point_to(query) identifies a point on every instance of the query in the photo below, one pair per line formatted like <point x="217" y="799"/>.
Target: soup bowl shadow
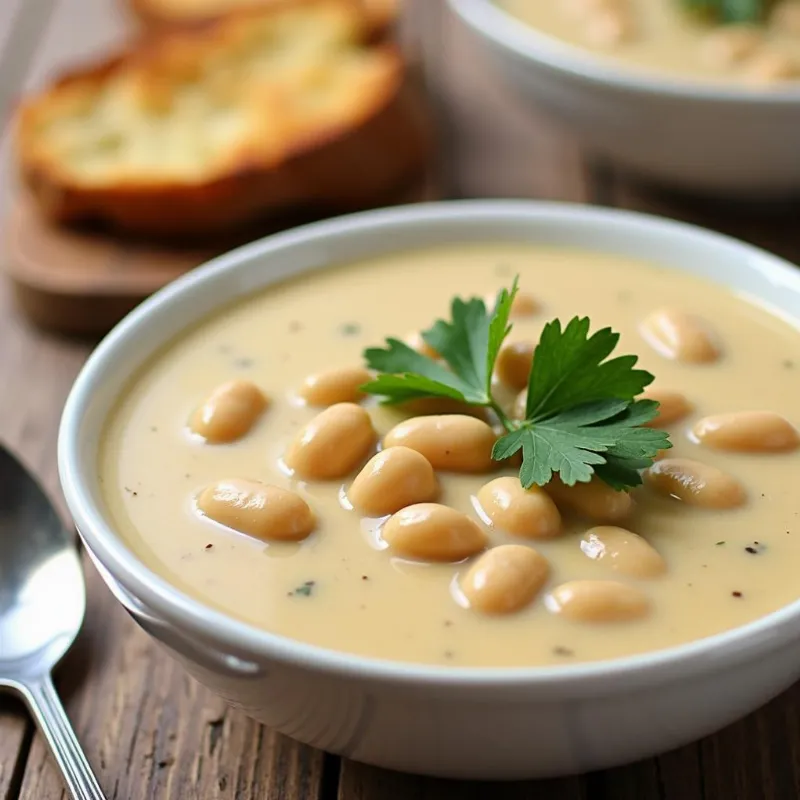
<point x="715" y="140"/>
<point x="444" y="721"/>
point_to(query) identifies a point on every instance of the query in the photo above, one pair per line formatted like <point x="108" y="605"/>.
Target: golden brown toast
<point x="204" y="130"/>
<point x="381" y="14"/>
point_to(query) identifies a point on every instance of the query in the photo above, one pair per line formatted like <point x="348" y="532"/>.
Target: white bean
<point x="432" y="532"/>
<point x="505" y="579"/>
<point x="623" y="551"/>
<point x="521" y="512"/>
<point x="695" y="483"/>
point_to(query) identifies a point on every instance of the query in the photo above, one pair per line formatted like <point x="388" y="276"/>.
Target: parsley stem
<point x="507" y="423"/>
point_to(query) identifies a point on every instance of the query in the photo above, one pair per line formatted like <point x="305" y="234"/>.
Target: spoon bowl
<point x="42" y="604"/>
<point x="42" y="595"/>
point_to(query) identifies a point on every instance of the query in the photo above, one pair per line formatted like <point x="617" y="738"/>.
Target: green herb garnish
<point x="729" y="11"/>
<point x="581" y="419"/>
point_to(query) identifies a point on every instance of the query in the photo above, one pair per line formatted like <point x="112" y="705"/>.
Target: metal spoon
<point x="42" y="603"/>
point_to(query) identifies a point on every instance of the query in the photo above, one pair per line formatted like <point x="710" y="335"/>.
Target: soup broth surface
<point x="340" y="588"/>
<point x="658" y="36"/>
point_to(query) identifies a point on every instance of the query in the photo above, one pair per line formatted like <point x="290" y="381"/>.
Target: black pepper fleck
<point x="563" y="651"/>
<point x="209" y="546"/>
<point x="365" y="577"/>
<point x="720" y="543"/>
<point x="736" y="594"/>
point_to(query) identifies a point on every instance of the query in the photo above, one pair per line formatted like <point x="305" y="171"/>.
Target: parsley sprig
<point x="581" y="419"/>
<point x="734" y="11"/>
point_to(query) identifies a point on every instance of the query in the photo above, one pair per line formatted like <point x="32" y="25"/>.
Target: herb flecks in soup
<point x="756" y="42"/>
<point x="391" y="531"/>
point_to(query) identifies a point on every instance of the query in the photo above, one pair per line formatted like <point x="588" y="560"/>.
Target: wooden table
<point x="149" y="730"/>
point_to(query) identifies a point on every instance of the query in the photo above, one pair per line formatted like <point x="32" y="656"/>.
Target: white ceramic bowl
<point x="708" y="138"/>
<point x="473" y="723"/>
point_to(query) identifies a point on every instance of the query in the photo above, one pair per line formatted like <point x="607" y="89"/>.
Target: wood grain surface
<point x="150" y="731"/>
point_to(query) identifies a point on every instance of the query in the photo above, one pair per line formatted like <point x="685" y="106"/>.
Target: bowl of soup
<point x="365" y="578"/>
<point x="699" y="106"/>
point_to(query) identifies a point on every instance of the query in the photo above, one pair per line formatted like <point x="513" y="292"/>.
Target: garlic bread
<point x="205" y="129"/>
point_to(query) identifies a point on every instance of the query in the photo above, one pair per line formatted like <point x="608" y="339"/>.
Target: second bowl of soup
<point x="699" y="106"/>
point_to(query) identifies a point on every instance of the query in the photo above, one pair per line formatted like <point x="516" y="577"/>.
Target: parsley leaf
<point x="405" y="374"/>
<point x="580" y="415"/>
<point x="468" y="343"/>
<point x="582" y="418"/>
<point x="569" y="369"/>
<point x="600" y="438"/>
<point x="554" y="446"/>
<point x="635" y="446"/>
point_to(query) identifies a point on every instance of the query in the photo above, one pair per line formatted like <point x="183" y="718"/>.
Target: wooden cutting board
<point x="83" y="283"/>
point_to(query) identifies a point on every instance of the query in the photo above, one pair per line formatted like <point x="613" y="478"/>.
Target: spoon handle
<point x="46" y="707"/>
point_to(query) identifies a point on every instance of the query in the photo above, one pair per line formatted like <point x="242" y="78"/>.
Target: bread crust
<point x="379" y="143"/>
<point x="382" y="15"/>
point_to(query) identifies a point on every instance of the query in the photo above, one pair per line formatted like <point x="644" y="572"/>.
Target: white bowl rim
<point x="730" y="647"/>
<point x="502" y="28"/>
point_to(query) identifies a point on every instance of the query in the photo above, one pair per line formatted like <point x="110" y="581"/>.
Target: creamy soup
<point x="658" y="35"/>
<point x="697" y="570"/>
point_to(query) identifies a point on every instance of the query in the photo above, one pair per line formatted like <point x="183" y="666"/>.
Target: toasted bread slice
<point x="380" y="14"/>
<point x="208" y="129"/>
